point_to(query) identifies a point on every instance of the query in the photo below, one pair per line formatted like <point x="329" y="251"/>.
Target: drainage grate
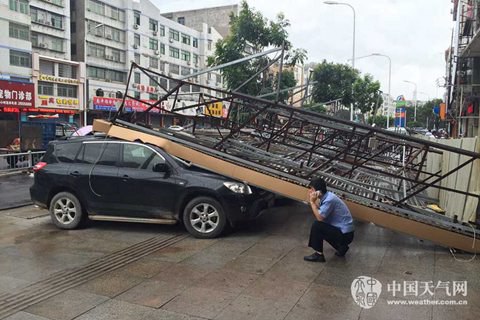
<point x="70" y="278"/>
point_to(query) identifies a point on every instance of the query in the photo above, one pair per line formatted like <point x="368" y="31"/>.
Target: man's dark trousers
<point x="323" y="231"/>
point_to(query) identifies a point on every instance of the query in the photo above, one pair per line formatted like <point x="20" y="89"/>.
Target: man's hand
<point x="312" y="196"/>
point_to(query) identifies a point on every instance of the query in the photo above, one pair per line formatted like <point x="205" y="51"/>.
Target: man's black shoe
<point x="315" y="257"/>
<point x="342" y="251"/>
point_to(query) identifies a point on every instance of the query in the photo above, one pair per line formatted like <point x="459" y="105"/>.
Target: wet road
<point x="134" y="271"/>
<point x="14" y="190"/>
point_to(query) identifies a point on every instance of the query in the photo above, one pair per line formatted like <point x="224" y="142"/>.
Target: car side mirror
<point x="160" y="167"/>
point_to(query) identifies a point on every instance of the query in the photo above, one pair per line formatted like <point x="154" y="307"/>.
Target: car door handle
<point x="75" y="173"/>
<point x="125" y="177"/>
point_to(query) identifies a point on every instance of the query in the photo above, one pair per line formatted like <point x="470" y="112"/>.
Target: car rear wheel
<point x="204" y="217"/>
<point x="66" y="211"/>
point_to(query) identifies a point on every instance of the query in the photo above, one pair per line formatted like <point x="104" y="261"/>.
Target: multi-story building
<point x="36" y="55"/>
<point x="108" y="35"/>
<point x="217" y="17"/>
<point x="463" y="70"/>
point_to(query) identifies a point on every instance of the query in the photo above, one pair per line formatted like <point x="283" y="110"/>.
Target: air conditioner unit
<point x="155" y="33"/>
<point x="88" y="9"/>
<point x="134" y="85"/>
<point x="135" y="26"/>
<point x="196" y="64"/>
<point x="108" y="80"/>
<point x="108" y="36"/>
<point x="171" y="40"/>
<point x="188" y="63"/>
<point x="135" y="46"/>
<point x="157" y="52"/>
<point x="43" y="45"/>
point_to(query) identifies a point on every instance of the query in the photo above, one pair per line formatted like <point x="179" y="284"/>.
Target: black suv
<point x="114" y="180"/>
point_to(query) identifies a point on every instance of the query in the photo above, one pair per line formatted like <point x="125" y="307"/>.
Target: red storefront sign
<point x="17" y="94"/>
<point x="102" y="103"/>
<point x="44" y="110"/>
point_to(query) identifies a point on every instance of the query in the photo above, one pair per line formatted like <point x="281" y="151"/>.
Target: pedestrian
<point x="333" y="222"/>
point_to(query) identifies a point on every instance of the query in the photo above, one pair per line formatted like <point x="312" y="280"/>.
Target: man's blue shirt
<point x="335" y="212"/>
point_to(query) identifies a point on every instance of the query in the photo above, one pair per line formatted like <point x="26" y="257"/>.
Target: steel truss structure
<point x="368" y="166"/>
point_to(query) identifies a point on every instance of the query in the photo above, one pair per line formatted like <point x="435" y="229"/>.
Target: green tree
<point x="379" y="121"/>
<point x="333" y="81"/>
<point x="315" y="107"/>
<point x="366" y="95"/>
<point x="425" y="116"/>
<point x="251" y="31"/>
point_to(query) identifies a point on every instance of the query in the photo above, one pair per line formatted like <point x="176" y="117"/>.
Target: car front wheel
<point x="204" y="217"/>
<point x="66" y="211"/>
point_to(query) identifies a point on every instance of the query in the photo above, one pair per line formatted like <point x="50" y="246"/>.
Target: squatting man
<point x="333" y="222"/>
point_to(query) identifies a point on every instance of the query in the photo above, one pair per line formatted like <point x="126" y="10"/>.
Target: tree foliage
<point x="333" y="81"/>
<point x="366" y="94"/>
<point x="251" y="32"/>
<point x="340" y="81"/>
<point x="425" y="116"/>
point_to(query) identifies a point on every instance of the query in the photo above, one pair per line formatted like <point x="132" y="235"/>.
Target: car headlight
<point x="238" y="187"/>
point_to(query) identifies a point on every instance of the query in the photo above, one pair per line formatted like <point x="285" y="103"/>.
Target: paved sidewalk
<point x="256" y="272"/>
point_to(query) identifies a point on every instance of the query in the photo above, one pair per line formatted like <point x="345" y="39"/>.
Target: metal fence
<point x="19" y="161"/>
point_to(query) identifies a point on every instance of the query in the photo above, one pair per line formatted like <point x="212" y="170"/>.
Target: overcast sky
<point x="414" y="33"/>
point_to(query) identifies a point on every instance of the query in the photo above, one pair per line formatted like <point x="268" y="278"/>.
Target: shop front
<point x="16" y="99"/>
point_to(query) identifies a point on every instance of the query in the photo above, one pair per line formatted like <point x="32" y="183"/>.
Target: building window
<point x="185" y="71"/>
<point x="209" y="30"/>
<point x="162" y="48"/>
<point x="153" y="96"/>
<point x="154" y="81"/>
<point x="185" y="55"/>
<point x="181" y="20"/>
<point x="174" y="52"/>
<point x="57" y="44"/>
<point x="174" y="68"/>
<point x="153" y="25"/>
<point x="218" y="79"/>
<point x="136" y="95"/>
<point x="19" y="31"/>
<point x="153" y="62"/>
<point x="106" y="74"/>
<point x="67" y="71"/>
<point x="153" y="44"/>
<point x="162" y="68"/>
<point x="209" y="45"/>
<point x="45" y="88"/>
<point x="136" y="77"/>
<point x="96" y="7"/>
<point x="19" y="6"/>
<point x="137" y="58"/>
<point x="195" y="42"/>
<point x="117" y="14"/>
<point x="95" y="50"/>
<point x="195" y="58"/>
<point x="164" y="83"/>
<point x="174" y="34"/>
<point x="47" y="67"/>
<point x="56" y="21"/>
<point x="136" y="39"/>
<point x="20" y="59"/>
<point x="66" y="90"/>
<point x="185" y="38"/>
<point x="162" y="30"/>
<point x="136" y="17"/>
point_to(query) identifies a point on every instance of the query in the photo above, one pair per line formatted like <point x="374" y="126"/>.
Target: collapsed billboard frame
<point x="367" y="165"/>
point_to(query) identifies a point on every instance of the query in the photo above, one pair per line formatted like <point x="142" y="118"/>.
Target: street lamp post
<point x="389" y="102"/>
<point x="353" y="48"/>
<point x="414" y="99"/>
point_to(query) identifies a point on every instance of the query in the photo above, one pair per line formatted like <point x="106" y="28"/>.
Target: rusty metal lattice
<point x="367" y="165"/>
